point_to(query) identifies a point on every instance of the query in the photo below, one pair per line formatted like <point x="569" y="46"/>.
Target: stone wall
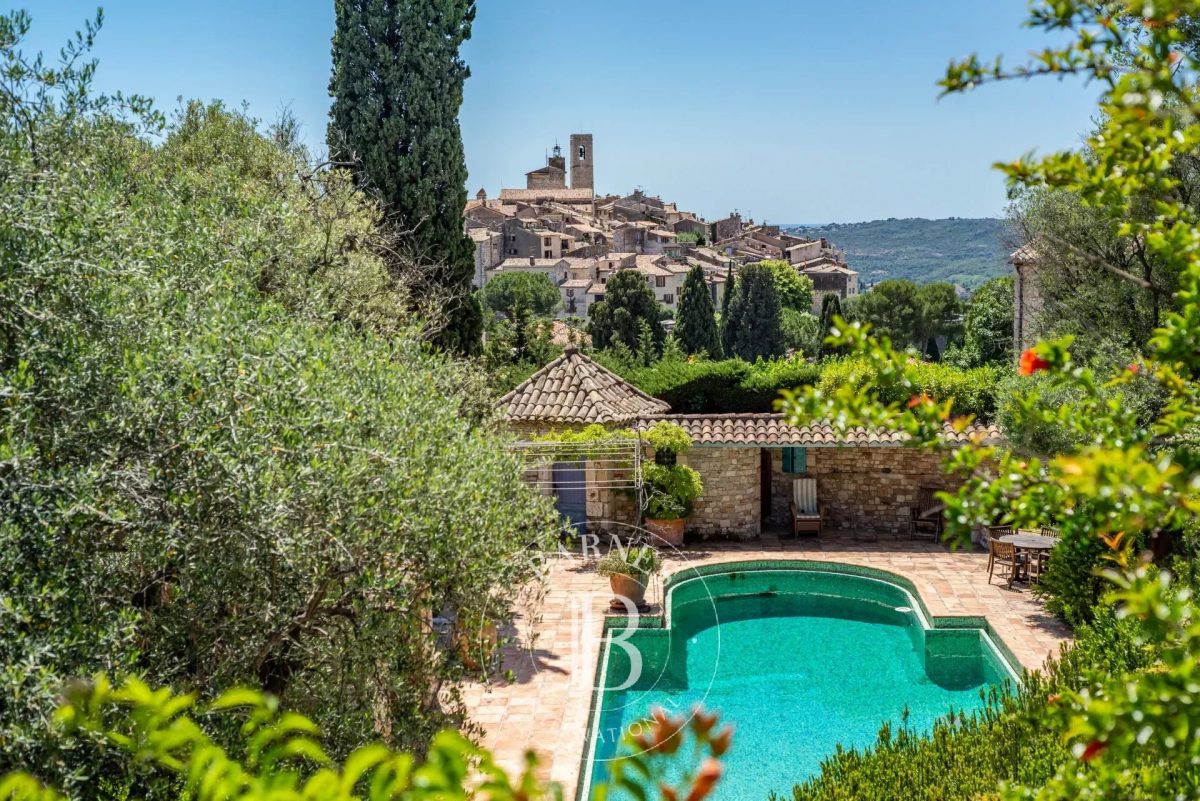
<point x="869" y="488"/>
<point x="730" y="504"/>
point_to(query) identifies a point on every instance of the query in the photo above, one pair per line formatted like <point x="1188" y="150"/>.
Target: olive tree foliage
<point x="226" y="454"/>
<point x="1131" y="734"/>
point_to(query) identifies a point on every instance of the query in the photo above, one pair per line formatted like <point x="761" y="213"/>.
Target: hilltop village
<point x="579" y="239"/>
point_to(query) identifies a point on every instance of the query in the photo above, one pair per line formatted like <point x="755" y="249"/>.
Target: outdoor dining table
<point x="1034" y="544"/>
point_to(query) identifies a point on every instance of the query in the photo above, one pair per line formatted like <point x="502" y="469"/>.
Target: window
<point x="545" y="241"/>
<point x="660" y="280"/>
<point x="546" y="255"/>
<point x="570" y="293"/>
<point x="795" y="460"/>
<point x="668" y="299"/>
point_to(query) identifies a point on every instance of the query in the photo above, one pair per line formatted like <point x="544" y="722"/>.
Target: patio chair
<point x="1004" y="555"/>
<point x="1043" y="560"/>
<point x="995" y="533"/>
<point x="925" y="517"/>
<point x="807" y="514"/>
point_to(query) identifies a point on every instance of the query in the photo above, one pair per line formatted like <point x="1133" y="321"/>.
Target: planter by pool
<point x="799" y="657"/>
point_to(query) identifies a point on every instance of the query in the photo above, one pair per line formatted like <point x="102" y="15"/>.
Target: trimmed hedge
<point x="974" y="391"/>
<point x="703" y="386"/>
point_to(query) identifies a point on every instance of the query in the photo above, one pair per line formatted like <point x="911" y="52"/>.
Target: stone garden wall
<point x="871" y="488"/>
<point x="730" y="505"/>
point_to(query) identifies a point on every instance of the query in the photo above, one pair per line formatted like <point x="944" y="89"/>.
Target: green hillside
<point x="961" y="251"/>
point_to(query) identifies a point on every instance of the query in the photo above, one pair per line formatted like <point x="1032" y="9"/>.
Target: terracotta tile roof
<point x="575" y="389"/>
<point x="770" y="429"/>
<point x="1026" y="254"/>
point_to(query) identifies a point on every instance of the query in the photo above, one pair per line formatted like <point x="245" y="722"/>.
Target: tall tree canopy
<point x="753" y="324"/>
<point x="941" y="314"/>
<point x="520" y="292"/>
<point x="795" y="290"/>
<point x="893" y="308"/>
<point x="696" y="322"/>
<point x="397" y="87"/>
<point x="988" y="328"/>
<point x="629" y="310"/>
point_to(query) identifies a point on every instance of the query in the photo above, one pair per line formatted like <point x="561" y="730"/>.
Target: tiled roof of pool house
<point x="767" y="430"/>
<point x="574" y="389"/>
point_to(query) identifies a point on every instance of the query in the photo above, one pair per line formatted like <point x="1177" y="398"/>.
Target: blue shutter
<point x="795" y="460"/>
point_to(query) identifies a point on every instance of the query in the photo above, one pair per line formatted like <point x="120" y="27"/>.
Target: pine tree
<point x="397" y="87"/>
<point x="696" y="323"/>
<point x="758" y="333"/>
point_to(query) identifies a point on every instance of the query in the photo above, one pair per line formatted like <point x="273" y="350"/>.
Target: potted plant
<point x="628" y="571"/>
<point x="477" y="639"/>
<point x="672" y="489"/>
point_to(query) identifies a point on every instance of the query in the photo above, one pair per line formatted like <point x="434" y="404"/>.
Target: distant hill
<point x="957" y="250"/>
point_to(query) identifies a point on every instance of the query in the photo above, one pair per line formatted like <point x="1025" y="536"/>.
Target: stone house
<point x="1027" y="297"/>
<point x="555" y="268"/>
<point x="489" y="252"/>
<point x="829" y="277"/>
<point x="867" y="480"/>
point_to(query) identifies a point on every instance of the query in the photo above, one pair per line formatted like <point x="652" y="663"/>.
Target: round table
<point x="1036" y="544"/>
<point x="1030" y="542"/>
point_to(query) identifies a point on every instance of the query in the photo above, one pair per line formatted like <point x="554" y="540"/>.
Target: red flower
<point x="1134" y="368"/>
<point x="1092" y="750"/>
<point x="720" y="743"/>
<point x="1053" y="699"/>
<point x="919" y="400"/>
<point x="1032" y="363"/>
<point x="706" y="779"/>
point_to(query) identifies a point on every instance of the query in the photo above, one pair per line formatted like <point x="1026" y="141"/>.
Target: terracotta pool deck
<point x="546" y="707"/>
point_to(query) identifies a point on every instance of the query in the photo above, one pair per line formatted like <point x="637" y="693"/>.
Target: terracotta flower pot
<point x="477" y="643"/>
<point x="628" y="587"/>
<point x="668" y="531"/>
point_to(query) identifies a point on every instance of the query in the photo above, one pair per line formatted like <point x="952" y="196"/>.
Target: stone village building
<point x="747" y="462"/>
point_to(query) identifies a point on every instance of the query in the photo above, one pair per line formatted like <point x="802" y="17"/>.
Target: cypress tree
<point x="731" y="315"/>
<point x="831" y="306"/>
<point x="758" y="333"/>
<point x="696" y="323"/>
<point x="397" y="87"/>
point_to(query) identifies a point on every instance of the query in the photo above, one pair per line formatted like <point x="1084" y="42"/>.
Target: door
<point x="764" y="478"/>
<point x="570" y="495"/>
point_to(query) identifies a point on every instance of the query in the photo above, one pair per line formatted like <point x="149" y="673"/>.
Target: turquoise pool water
<point x="798" y="661"/>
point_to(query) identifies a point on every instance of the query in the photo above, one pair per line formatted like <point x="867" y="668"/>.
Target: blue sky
<point x="787" y="110"/>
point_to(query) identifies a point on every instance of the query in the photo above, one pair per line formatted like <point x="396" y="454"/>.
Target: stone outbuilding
<point x="866" y="479"/>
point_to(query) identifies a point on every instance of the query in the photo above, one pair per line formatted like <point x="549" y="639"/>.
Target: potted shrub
<point x="628" y="572"/>
<point x="477" y="639"/>
<point x="672" y="489"/>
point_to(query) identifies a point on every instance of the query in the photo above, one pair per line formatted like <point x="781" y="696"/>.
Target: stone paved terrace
<point x="547" y="706"/>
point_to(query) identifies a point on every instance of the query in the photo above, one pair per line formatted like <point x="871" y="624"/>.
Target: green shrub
<point x="672" y="490"/>
<point x="703" y="386"/>
<point x="974" y="390"/>
<point x="1071" y="585"/>
<point x="636" y="562"/>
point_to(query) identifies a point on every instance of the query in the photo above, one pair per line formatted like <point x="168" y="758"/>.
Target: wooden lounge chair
<point x="925" y="517"/>
<point x="807" y="514"/>
<point x="1004" y="555"/>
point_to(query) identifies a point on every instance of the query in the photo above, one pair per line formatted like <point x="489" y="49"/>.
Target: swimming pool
<point x="799" y="657"/>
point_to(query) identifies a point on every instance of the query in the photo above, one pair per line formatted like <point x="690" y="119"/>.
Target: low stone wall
<point x="730" y="505"/>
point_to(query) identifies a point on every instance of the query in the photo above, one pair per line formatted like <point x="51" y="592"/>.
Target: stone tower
<point x="582" y="162"/>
